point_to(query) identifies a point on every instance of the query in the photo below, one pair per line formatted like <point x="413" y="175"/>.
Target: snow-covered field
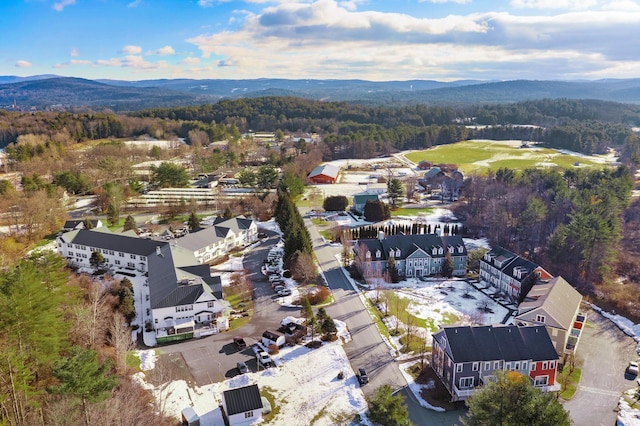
<point x="314" y="370"/>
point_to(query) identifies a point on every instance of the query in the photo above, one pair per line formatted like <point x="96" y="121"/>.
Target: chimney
<point x="381" y="235"/>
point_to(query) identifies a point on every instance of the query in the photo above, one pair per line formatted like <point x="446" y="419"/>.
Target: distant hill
<point x="47" y="92"/>
<point x="73" y="93"/>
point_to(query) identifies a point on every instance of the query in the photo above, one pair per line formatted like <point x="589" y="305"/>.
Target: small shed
<point x="190" y="417"/>
<point x="271" y="338"/>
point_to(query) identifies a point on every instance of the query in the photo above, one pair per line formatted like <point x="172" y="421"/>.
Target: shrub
<point x="273" y="349"/>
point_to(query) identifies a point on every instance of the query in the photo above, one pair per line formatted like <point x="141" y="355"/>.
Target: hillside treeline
<point x="569" y="222"/>
<point x="358" y="131"/>
<point x="64" y="347"/>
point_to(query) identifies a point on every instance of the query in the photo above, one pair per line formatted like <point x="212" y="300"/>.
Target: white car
<point x="632" y="368"/>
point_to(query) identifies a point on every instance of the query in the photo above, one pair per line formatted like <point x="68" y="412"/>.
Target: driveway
<point x="605" y="352"/>
<point x="213" y="358"/>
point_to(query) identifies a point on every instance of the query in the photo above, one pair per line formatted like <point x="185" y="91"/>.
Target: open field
<point x="480" y="156"/>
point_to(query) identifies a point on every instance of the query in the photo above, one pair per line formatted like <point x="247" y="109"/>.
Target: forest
<point x="354" y="130"/>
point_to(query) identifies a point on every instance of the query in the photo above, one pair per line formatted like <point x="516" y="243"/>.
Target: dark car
<point x="239" y="342"/>
<point x="242" y="368"/>
<point x="363" y="379"/>
<point x="262" y="235"/>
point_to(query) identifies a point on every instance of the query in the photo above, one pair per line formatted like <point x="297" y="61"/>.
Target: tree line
<point x="569" y="222"/>
<point x="353" y="130"/>
<point x="64" y="345"/>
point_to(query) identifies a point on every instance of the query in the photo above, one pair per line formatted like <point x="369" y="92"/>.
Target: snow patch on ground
<point x="314" y="370"/>
<point x="147" y="359"/>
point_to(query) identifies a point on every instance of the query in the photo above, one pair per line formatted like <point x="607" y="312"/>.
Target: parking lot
<point x="214" y="358"/>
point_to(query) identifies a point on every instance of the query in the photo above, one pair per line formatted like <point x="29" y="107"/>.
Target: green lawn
<point x="481" y="156"/>
<point x="572" y="386"/>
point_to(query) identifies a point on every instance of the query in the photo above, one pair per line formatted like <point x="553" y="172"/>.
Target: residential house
<point x="326" y="173"/>
<point x="360" y="200"/>
<point x="218" y="239"/>
<point x="554" y="304"/>
<point x="509" y="273"/>
<point x="415" y="255"/>
<point x="171" y="297"/>
<point x="465" y="357"/>
<point x="71" y="225"/>
<point x="242" y="406"/>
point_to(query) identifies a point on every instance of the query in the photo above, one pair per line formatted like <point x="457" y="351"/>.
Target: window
<point x="524" y="365"/>
<point x="542" y="380"/>
<point x="397" y="252"/>
<point x="117" y="262"/>
<point x="552" y="364"/>
<point x="517" y="366"/>
<point x="487" y="366"/>
<point x="466" y="383"/>
<point x="458" y="368"/>
<point x="368" y="256"/>
<point x="248" y="414"/>
<point x="70" y="253"/>
<point x="211" y="304"/>
<point x="121" y="254"/>
<point x="475" y="366"/>
<point x="544" y="365"/>
<point x="133" y="256"/>
<point x="131" y="265"/>
<point x="533" y="366"/>
<point x="507" y="366"/>
<point x="540" y="318"/>
<point x="496" y="365"/>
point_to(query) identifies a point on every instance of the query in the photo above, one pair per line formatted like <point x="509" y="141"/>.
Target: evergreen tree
<point x="129" y="224"/>
<point x="97" y="259"/>
<point x="328" y="326"/>
<point x="194" y="222"/>
<point x="306" y="311"/>
<point x="395" y="191"/>
<point x="388" y="409"/>
<point x="228" y="213"/>
<point x="79" y="374"/>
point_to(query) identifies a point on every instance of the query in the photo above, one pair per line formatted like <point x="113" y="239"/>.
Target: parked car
<point x="285" y="292"/>
<point x="239" y="342"/>
<point x="278" y="288"/>
<point x="632" y="368"/>
<point x="363" y="379"/>
<point x="265" y="360"/>
<point x="242" y="367"/>
<point x="275" y="277"/>
<point x="262" y="235"/>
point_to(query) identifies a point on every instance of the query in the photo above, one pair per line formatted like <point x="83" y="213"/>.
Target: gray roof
<point x="325" y="169"/>
<point x="189" y="294"/>
<point x="490" y="343"/>
<point x="363" y="198"/>
<point x="116" y="242"/>
<point x="241" y="400"/>
<point x="408" y="244"/>
<point x="202" y="238"/>
<point x="204" y="272"/>
<point x="556" y="299"/>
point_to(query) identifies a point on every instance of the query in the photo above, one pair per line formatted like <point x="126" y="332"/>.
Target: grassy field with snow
<point x="480" y="156"/>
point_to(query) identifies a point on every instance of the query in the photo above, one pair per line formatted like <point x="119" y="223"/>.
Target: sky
<point x="377" y="40"/>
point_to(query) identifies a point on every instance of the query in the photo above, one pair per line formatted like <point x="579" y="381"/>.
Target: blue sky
<point x="326" y="39"/>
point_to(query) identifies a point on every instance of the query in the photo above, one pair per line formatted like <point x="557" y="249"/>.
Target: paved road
<point x="367" y="349"/>
<point x="605" y="351"/>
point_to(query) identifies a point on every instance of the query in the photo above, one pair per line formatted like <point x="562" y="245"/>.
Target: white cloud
<point x="74" y="52"/>
<point x="59" y="6"/>
<point x="135" y="3"/>
<point x="446" y="1"/>
<point x="131" y="50"/>
<point x="132" y="61"/>
<point x="205" y="3"/>
<point x="166" y="50"/>
<point x="554" y="4"/>
<point x="23" y="64"/>
<point x="72" y="62"/>
<point x="190" y="60"/>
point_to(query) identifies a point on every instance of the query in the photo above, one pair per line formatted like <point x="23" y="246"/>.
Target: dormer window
<point x="368" y="255"/>
<point x="434" y="251"/>
<point x="397" y="253"/>
<point x="451" y="249"/>
<point x="378" y="254"/>
<point x="391" y="253"/>
<point x="460" y="249"/>
<point x="440" y="251"/>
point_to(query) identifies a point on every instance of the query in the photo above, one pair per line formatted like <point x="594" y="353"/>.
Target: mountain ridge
<point x="69" y="93"/>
